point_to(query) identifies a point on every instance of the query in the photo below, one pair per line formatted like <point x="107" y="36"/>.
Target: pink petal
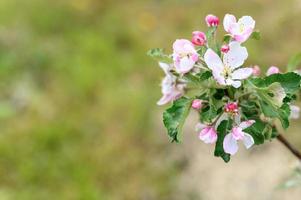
<point x="273" y="70"/>
<point x="242" y="73"/>
<point x="208" y="135"/>
<point x="228" y="21"/>
<point x="248" y="140"/>
<point x="246" y="124"/>
<point x="230" y="144"/>
<point x="237" y="133"/>
<point x="236" y="56"/>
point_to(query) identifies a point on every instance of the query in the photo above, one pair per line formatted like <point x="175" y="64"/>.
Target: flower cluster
<point x="234" y="102"/>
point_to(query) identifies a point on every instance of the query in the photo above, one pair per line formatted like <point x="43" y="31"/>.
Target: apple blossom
<point x="184" y="55"/>
<point x="208" y="135"/>
<point x="212" y="20"/>
<point x="273" y="70"/>
<point x="197" y="104"/>
<point x="239" y="30"/>
<point x="199" y="71"/>
<point x="230" y="140"/>
<point x="226" y="72"/>
<point x="170" y="90"/>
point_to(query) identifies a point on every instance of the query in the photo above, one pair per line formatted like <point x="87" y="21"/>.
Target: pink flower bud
<point x="231" y="107"/>
<point x="197" y="104"/>
<point x="273" y="70"/>
<point x="198" y="38"/>
<point x="256" y="70"/>
<point x="225" y="48"/>
<point x="212" y="20"/>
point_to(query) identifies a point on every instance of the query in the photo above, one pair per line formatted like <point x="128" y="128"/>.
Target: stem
<point x="290" y="147"/>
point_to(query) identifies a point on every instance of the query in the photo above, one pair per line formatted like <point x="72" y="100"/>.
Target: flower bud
<point x="212" y="20"/>
<point x="256" y="70"/>
<point x="231" y="107"/>
<point x="273" y="70"/>
<point x="197" y="104"/>
<point x="208" y="135"/>
<point x="198" y="38"/>
<point x="225" y="48"/>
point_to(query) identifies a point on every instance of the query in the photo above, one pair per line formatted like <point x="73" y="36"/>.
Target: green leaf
<point x="289" y="81"/>
<point x="159" y="55"/>
<point x="256" y="35"/>
<point x="227" y="38"/>
<point x="222" y="131"/>
<point x="175" y="116"/>
<point x="281" y="113"/>
<point x="294" y="62"/>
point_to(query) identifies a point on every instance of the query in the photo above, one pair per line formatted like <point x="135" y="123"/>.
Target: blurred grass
<point x="78" y="93"/>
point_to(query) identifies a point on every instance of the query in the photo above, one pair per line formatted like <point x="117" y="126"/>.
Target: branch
<point x="288" y="145"/>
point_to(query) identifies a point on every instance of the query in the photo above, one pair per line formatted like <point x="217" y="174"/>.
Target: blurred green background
<point x="78" y="94"/>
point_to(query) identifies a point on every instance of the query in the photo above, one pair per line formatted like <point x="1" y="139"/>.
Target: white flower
<point x="226" y="72"/>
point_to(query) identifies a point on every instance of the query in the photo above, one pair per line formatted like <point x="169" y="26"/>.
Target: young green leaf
<point x="175" y="116"/>
<point x="255" y="35"/>
<point x="159" y="55"/>
<point x="222" y="131"/>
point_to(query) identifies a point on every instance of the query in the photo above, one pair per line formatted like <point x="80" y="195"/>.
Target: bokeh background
<point x="78" y="114"/>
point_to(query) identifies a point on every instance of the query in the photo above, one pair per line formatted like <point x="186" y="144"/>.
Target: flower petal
<point x="236" y="84"/>
<point x="185" y="65"/>
<point x="230" y="144"/>
<point x="295" y="112"/>
<point x="247" y="22"/>
<point x="248" y="140"/>
<point x="213" y="61"/>
<point x="228" y="21"/>
<point x="208" y="135"/>
<point x="242" y="73"/>
<point x="235" y="56"/>
<point x="246" y="124"/>
<point x="165" y="67"/>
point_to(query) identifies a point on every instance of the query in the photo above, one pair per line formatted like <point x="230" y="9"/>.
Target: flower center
<point x="227" y="72"/>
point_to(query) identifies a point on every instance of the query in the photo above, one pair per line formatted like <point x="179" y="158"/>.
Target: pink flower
<point x="212" y="20"/>
<point x="198" y="38"/>
<point x="170" y="90"/>
<point x="197" y="104"/>
<point x="226" y="72"/>
<point x="231" y="107"/>
<point x="208" y="135"/>
<point x="225" y="48"/>
<point x="240" y="30"/>
<point x="184" y="55"/>
<point x="230" y="142"/>
<point x="273" y="70"/>
<point x="256" y="70"/>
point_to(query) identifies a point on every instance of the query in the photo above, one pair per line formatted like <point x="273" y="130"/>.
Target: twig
<point x="288" y="145"/>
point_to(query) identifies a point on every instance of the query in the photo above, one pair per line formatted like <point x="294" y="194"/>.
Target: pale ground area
<point x="251" y="174"/>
